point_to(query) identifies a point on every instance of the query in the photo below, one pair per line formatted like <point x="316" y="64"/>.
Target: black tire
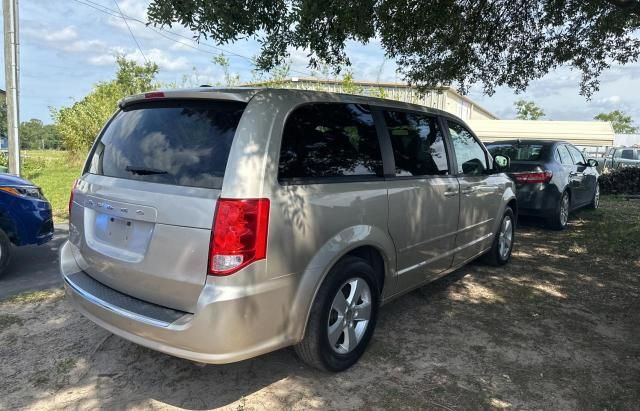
<point x="595" y="201"/>
<point x="315" y="349"/>
<point x="557" y="221"/>
<point x="494" y="256"/>
<point x="5" y="252"/>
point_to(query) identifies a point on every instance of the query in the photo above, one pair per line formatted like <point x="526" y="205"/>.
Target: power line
<point x="161" y="32"/>
<point x="131" y="32"/>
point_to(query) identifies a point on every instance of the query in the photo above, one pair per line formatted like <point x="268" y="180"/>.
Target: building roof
<point x="627" y="140"/>
<point x="367" y="83"/>
<point x="582" y="133"/>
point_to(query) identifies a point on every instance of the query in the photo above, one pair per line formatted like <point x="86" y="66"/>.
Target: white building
<point x="443" y="98"/>
<point x="486" y="124"/>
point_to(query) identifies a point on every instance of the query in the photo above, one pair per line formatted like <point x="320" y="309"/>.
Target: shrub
<point x="31" y="167"/>
<point x="624" y="180"/>
<point x="80" y="123"/>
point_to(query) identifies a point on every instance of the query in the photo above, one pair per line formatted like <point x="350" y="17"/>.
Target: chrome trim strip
<point x="440" y="237"/>
<point x="116" y="310"/>
<point x="448" y="253"/>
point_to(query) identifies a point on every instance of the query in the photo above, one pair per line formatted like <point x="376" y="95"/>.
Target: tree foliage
<point x="36" y="135"/>
<point x="491" y="42"/>
<point x="80" y="123"/>
<point x="528" y="110"/>
<point x="3" y="116"/>
<point x="621" y="123"/>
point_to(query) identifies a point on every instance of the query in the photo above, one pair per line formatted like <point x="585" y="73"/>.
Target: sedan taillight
<point x="532" y="177"/>
<point x="239" y="235"/>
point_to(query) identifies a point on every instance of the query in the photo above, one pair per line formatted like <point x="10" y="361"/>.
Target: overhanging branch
<point x="630" y="6"/>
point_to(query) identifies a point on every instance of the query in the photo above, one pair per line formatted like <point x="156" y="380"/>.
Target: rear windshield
<point x="179" y="142"/>
<point x="517" y="152"/>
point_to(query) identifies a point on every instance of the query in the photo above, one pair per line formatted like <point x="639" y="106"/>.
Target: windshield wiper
<point x="144" y="171"/>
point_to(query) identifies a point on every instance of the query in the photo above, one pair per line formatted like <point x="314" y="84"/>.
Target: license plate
<point x="113" y="230"/>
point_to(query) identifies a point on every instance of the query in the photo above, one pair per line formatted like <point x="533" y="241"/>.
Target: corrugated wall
<point x="582" y="133"/>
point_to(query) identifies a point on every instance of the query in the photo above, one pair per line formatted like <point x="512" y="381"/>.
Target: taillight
<point x="73" y="188"/>
<point x="239" y="235"/>
<point x="532" y="177"/>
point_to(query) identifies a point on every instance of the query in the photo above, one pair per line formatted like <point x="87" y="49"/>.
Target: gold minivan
<point x="220" y="224"/>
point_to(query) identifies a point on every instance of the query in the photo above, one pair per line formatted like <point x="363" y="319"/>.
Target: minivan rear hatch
<point x="142" y="213"/>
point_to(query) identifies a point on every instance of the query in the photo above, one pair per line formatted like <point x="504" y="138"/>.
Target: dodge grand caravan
<point x="220" y="224"/>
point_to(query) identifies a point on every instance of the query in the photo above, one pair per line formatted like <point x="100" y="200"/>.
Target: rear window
<point x="329" y="140"/>
<point x="517" y="152"/>
<point x="184" y="142"/>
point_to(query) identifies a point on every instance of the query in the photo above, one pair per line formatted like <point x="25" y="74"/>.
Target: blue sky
<point x="67" y="46"/>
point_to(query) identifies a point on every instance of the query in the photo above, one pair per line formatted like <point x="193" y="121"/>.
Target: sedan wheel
<point x="564" y="209"/>
<point x="595" y="203"/>
<point x="560" y="217"/>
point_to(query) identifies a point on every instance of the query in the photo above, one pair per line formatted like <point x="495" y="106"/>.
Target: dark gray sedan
<point x="552" y="178"/>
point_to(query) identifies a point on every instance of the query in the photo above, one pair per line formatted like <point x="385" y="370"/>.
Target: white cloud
<point x="81" y="46"/>
<point x="103" y="60"/>
<point x="613" y="100"/>
<point x="43" y="33"/>
<point x="66" y="34"/>
<point x="165" y="61"/>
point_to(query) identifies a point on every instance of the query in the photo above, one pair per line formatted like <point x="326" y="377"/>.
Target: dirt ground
<point x="558" y="328"/>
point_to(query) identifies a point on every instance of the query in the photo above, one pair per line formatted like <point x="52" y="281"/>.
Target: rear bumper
<point x="230" y="324"/>
<point x="537" y="199"/>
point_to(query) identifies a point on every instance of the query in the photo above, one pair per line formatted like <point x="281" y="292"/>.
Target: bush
<point x="624" y="180"/>
<point x="31" y="167"/>
<point x="80" y="123"/>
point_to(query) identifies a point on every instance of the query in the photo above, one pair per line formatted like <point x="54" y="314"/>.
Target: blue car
<point x="25" y="216"/>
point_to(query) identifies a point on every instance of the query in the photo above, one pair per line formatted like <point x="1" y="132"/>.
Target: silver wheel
<point x="349" y="315"/>
<point x="564" y="209"/>
<point x="505" y="238"/>
<point x="596" y="197"/>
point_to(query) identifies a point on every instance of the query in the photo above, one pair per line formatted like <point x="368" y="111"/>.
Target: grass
<point x="31" y="297"/>
<point x="612" y="230"/>
<point x="55" y="178"/>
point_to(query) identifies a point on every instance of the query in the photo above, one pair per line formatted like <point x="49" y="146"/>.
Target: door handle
<point x="450" y="193"/>
<point x="469" y="190"/>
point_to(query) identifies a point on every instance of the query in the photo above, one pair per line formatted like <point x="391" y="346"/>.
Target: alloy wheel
<point x="564" y="210"/>
<point x="505" y="238"/>
<point x="349" y="315"/>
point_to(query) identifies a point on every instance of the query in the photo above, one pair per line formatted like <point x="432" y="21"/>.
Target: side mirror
<point x="501" y="163"/>
<point x="592" y="163"/>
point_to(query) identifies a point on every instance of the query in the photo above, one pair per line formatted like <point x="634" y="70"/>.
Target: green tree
<point x="621" y="123"/>
<point x="492" y="42"/>
<point x="348" y="84"/>
<point x="36" y="135"/>
<point x="230" y="79"/>
<point x="3" y="116"/>
<point x="80" y="123"/>
<point x="528" y="110"/>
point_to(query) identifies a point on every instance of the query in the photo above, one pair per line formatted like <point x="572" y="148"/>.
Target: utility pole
<point x="12" y="78"/>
